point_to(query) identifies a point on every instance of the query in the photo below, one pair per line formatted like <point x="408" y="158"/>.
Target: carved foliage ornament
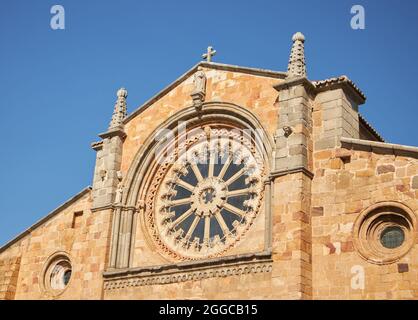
<point x="203" y="202"/>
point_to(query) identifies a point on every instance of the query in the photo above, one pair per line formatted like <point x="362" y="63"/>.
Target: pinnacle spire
<point x="119" y="113"/>
<point x="297" y="66"/>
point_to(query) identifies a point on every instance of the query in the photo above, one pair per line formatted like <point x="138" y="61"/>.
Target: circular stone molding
<point x="385" y="232"/>
<point x="56" y="274"/>
<point x="208" y="197"/>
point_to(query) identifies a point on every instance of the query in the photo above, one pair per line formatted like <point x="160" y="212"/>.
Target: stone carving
<point x="119" y="193"/>
<point x="297" y="65"/>
<point x="170" y="277"/>
<point x="209" y="54"/>
<point x="120" y="111"/>
<point x="208" y="197"/>
<point x="103" y="175"/>
<point x="208" y="132"/>
<point x="287" y="131"/>
<point x="199" y="92"/>
<point x="200" y="81"/>
<point x="119" y="190"/>
<point x="140" y="204"/>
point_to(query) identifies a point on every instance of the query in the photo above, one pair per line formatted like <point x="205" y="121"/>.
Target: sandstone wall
<point x="313" y="245"/>
<point x="84" y="238"/>
<point x="346" y="183"/>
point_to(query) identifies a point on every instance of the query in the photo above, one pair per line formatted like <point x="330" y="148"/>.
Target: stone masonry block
<point x="332" y="113"/>
<point x="297" y="139"/>
<point x="326" y="143"/>
<point x="415" y="182"/>
<point x="331" y="95"/>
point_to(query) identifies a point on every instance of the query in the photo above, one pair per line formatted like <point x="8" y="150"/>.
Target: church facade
<point x="232" y="183"/>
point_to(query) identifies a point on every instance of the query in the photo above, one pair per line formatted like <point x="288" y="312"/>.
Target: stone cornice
<point x="342" y="82"/>
<point x="46" y="218"/>
<point x="117" y="131"/>
<point x="296" y="81"/>
<point x="315" y="87"/>
<point x="101" y="208"/>
<point x="114" y="206"/>
<point x="379" y="147"/>
<point x="98" y="145"/>
<point x="370" y="128"/>
<point x="247" y="70"/>
<point x="281" y="173"/>
<point x="188" y="270"/>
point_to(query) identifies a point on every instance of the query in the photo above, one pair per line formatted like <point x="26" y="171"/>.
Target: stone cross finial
<point x="297" y="66"/>
<point x="119" y="113"/>
<point x="209" y="54"/>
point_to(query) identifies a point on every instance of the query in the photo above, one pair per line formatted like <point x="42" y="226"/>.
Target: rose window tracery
<point x="209" y="196"/>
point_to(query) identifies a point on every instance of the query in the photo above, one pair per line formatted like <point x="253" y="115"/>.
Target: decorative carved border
<point x="189" y="271"/>
<point x="142" y="173"/>
<point x="150" y="211"/>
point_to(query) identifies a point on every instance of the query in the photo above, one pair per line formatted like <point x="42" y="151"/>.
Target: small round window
<point x="385" y="232"/>
<point x="57" y="273"/>
<point x="67" y="277"/>
<point x="60" y="275"/>
<point x="392" y="237"/>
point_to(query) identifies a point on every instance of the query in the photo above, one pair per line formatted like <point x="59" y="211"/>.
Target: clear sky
<point x="58" y="86"/>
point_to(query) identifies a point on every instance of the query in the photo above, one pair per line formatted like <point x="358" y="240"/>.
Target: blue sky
<point x="58" y="87"/>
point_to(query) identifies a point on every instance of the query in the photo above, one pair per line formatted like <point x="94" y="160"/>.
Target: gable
<point x="247" y="87"/>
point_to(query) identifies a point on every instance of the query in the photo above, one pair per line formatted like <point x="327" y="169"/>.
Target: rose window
<point x="209" y="197"/>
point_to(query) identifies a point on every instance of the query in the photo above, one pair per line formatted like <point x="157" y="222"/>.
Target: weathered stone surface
<point x="317" y="211"/>
<point x="385" y="169"/>
<point x="403" y="267"/>
<point x="415" y="182"/>
<point x="302" y="243"/>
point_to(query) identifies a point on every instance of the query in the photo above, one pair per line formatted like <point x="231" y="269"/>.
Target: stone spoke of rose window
<point x="196" y="171"/>
<point x="206" y="234"/>
<point x="235" y="176"/>
<point x="225" y="167"/>
<point x="211" y="164"/>
<point x="179" y="202"/>
<point x="222" y="223"/>
<point x="240" y="192"/>
<point x="192" y="227"/>
<point x="234" y="210"/>
<point x="183" y="217"/>
<point x="185" y="185"/>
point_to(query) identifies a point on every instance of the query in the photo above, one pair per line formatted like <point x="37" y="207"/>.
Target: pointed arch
<point x="143" y="174"/>
<point x="142" y="168"/>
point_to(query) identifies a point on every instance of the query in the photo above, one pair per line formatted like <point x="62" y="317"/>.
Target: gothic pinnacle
<point x="297" y="66"/>
<point x="119" y="112"/>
